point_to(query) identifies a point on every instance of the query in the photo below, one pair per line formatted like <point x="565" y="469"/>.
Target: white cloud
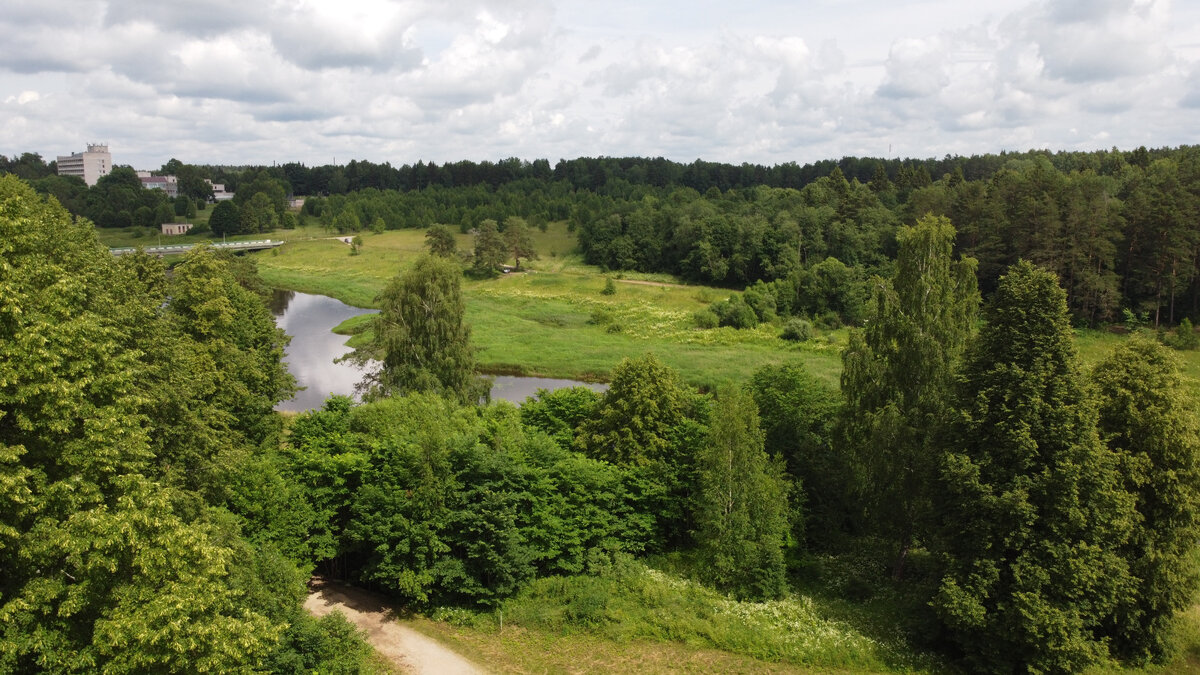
<point x="765" y="81"/>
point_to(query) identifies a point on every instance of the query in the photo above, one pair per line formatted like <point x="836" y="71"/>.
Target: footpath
<point x="411" y="651"/>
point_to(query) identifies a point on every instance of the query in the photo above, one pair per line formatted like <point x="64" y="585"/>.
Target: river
<point x="310" y="357"/>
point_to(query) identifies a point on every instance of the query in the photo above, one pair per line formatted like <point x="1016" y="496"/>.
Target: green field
<point x="551" y="319"/>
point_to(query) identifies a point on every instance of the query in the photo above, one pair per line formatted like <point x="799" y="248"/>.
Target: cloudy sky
<point x="319" y="81"/>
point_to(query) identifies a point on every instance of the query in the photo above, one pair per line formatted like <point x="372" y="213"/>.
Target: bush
<point x="1185" y="337"/>
<point x="797" y="330"/>
<point x="736" y="313"/>
<point x="610" y="288"/>
<point x="614" y="328"/>
<point x="600" y="317"/>
<point x="706" y="318"/>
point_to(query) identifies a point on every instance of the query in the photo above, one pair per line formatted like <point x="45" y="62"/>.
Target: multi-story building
<point x="90" y="165"/>
<point x="168" y="184"/>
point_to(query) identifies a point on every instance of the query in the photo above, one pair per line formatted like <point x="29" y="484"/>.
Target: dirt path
<point x="408" y="649"/>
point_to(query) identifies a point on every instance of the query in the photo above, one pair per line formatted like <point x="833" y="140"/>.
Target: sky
<point x="772" y="81"/>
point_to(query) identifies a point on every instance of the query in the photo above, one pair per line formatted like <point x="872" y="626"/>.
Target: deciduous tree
<point x="421" y="338"/>
<point x="897" y="375"/>
<point x="741" y="503"/>
<point x="1148" y="419"/>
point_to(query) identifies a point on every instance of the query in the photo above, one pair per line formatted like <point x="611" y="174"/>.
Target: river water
<point x="310" y="319"/>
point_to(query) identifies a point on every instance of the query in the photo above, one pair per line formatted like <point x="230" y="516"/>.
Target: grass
<point x="636" y="618"/>
<point x="551" y="319"/>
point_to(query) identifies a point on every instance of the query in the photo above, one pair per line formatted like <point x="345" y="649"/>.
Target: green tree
<point x="236" y="331"/>
<point x="225" y="219"/>
<point x="258" y="215"/>
<point x="650" y="423"/>
<point x="421" y="338"/>
<point x="518" y="240"/>
<point x="489" y="249"/>
<point x="1148" y="419"/>
<point x="798" y="414"/>
<point x="100" y="573"/>
<point x="440" y="241"/>
<point x="1033" y="515"/>
<point x="164" y="214"/>
<point x="636" y="418"/>
<point x="741" y="503"/>
<point x="897" y="373"/>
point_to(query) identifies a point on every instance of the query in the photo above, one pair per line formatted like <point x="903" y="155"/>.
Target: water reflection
<point x="310" y="319"/>
<point x="517" y="389"/>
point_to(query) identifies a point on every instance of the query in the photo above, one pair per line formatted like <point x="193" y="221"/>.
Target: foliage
<point x="1034" y="518"/>
<point x="1185" y="337"/>
<point x="635" y="419"/>
<point x="558" y="413"/>
<point x="518" y="241"/>
<point x="797" y="330"/>
<point x="897" y="375"/>
<point x="225" y="219"/>
<point x="741" y="503"/>
<point x="735" y="313"/>
<point x="1147" y="418"/>
<point x="705" y="318"/>
<point x="798" y="417"/>
<point x="421" y="337"/>
<point x="490" y="252"/>
<point x="610" y="288"/>
<point x="440" y="241"/>
<point x="103" y="570"/>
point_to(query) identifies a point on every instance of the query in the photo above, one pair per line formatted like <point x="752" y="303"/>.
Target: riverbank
<point x="552" y="320"/>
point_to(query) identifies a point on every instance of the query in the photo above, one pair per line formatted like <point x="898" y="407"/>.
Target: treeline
<point x="137" y="437"/>
<point x="617" y="173"/>
<point x="1119" y="228"/>
<point x="1124" y="241"/>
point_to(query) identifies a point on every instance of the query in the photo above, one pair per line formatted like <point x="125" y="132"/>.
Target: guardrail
<point x="184" y="248"/>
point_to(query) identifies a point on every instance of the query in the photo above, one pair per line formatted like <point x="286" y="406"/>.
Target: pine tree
<point x="1032" y="513"/>
<point x="1148" y="420"/>
<point x="489" y="249"/>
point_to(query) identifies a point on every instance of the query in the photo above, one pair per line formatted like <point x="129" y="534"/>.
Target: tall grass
<point x="632" y="602"/>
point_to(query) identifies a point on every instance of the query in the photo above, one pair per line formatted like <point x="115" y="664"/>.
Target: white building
<point x="168" y="184"/>
<point x="219" y="193"/>
<point x="90" y="165"/>
<point x="172" y="229"/>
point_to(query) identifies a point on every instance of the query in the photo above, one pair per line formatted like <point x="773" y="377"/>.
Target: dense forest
<point x="1117" y="227"/>
<point x="1036" y="516"/>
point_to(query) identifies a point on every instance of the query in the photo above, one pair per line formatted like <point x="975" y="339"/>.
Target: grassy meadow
<point x="551" y="319"/>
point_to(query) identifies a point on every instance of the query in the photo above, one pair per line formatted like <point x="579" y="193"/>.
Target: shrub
<point x="797" y="330"/>
<point x="706" y="318"/>
<point x="600" y="317"/>
<point x="614" y="328"/>
<point x="734" y="312"/>
<point x="610" y="288"/>
<point x="1185" y="337"/>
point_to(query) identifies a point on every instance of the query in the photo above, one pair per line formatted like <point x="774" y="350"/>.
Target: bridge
<point x="184" y="248"/>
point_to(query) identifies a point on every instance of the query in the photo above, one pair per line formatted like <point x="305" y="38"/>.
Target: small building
<point x="171" y="229"/>
<point x="219" y="193"/>
<point x="91" y="165"/>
